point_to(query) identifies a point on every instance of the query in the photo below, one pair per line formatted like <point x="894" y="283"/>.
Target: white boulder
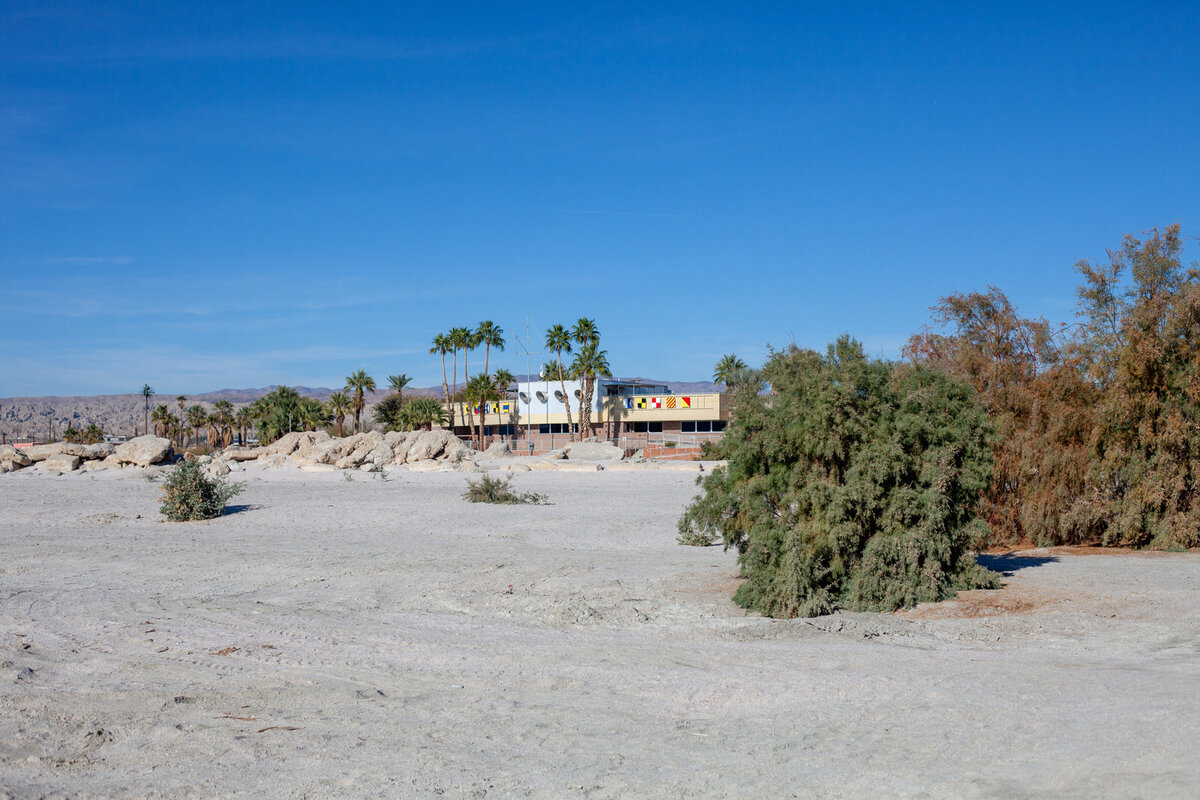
<point x="143" y="450"/>
<point x="61" y="462"/>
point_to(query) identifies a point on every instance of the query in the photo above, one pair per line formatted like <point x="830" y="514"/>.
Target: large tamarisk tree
<point x="855" y="485"/>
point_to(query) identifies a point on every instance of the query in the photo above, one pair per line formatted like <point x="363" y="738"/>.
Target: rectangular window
<point x="703" y="426"/>
<point x="718" y="425"/>
<point x="543" y="428"/>
<point x="687" y="426"/>
<point x="655" y="427"/>
<point x="487" y="430"/>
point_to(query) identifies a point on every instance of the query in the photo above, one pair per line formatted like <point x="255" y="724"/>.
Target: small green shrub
<point x="670" y="444"/>
<point x="494" y="490"/>
<point x="711" y="451"/>
<point x="189" y="494"/>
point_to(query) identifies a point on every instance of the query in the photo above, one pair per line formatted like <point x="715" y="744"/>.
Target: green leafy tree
<point x="854" y="486"/>
<point x="357" y="383"/>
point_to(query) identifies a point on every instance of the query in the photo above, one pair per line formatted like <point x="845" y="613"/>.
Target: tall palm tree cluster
<point x="284" y="410"/>
<point x="588" y="364"/>
<point x="480" y="389"/>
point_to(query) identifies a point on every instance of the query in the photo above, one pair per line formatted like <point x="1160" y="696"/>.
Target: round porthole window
<point x="524" y="397"/>
<point x="541" y="397"/>
<point x="578" y="394"/>
<point x="559" y="396"/>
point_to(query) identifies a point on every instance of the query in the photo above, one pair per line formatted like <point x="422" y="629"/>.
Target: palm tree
<point x="197" y="418"/>
<point x="162" y="417"/>
<point x="311" y="414"/>
<point x="558" y="339"/>
<point x="147" y="393"/>
<point x="223" y="417"/>
<point x="71" y="435"/>
<point x="502" y="380"/>
<point x="584" y="333"/>
<point x="359" y="382"/>
<point x="423" y="411"/>
<point x="490" y="335"/>
<point x="589" y="362"/>
<point x="181" y="399"/>
<point x="398" y="383"/>
<point x="459" y="339"/>
<point x="338" y="404"/>
<point x="243" y="419"/>
<point x="441" y="346"/>
<point x="727" y="370"/>
<point x="480" y="390"/>
<point x="93" y="434"/>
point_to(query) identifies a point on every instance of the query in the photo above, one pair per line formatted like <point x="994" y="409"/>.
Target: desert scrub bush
<point x="189" y="494"/>
<point x="854" y="485"/>
<point x="494" y="490"/>
<point x="711" y="451"/>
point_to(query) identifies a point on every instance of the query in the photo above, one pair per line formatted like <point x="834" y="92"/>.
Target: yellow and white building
<point x="631" y="414"/>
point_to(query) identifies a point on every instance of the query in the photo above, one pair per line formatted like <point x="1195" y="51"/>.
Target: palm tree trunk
<point x="583" y="409"/>
<point x="454" y="389"/>
<point x="566" y="399"/>
<point x="445" y="391"/>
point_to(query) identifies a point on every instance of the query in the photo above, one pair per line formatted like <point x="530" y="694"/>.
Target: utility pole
<point x="525" y="351"/>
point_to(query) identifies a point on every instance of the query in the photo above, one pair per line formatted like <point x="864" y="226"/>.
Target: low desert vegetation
<point x="495" y="490"/>
<point x="854" y="484"/>
<point x="189" y="494"/>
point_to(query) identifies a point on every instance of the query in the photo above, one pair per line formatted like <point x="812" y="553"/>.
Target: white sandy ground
<point x="338" y="638"/>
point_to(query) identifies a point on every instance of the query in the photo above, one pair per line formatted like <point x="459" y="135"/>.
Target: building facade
<point x="631" y="414"/>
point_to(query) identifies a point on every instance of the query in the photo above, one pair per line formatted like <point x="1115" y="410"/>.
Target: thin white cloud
<point x="86" y="261"/>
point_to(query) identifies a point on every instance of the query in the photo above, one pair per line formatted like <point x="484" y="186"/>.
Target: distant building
<point x="631" y="414"/>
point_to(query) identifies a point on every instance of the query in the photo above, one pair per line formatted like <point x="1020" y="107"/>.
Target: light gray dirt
<point x="385" y="638"/>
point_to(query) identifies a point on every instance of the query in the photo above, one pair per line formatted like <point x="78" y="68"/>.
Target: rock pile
<point x="66" y="456"/>
<point x="371" y="451"/>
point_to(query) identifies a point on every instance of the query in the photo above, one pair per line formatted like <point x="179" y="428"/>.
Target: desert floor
<point x="385" y="638"/>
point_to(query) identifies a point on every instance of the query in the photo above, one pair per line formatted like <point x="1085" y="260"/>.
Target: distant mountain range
<point x="47" y="417"/>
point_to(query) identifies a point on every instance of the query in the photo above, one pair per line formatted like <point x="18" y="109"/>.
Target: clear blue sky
<point x="221" y="195"/>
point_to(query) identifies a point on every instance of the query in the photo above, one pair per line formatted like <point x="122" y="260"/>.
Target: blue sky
<point x="202" y="196"/>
